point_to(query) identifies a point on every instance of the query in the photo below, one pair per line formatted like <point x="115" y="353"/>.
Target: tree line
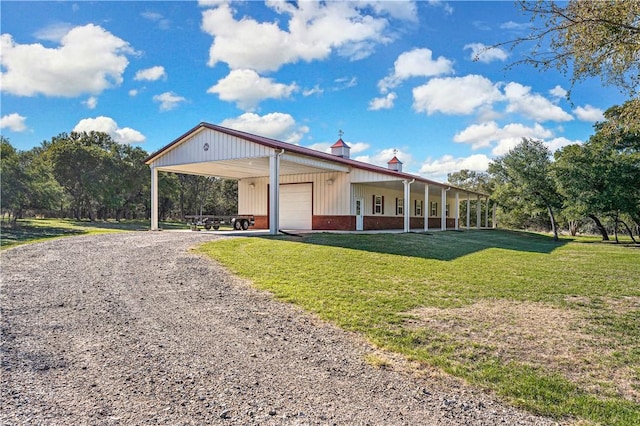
<point x="90" y="176"/>
<point x="593" y="186"/>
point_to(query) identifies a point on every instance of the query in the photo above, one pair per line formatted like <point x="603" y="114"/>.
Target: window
<point x="417" y="207"/>
<point x="378" y="204"/>
<point x="447" y="214"/>
<point x="434" y="208"/>
<point x="400" y="206"/>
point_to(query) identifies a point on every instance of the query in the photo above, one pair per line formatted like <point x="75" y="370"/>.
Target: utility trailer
<point x="210" y="221"/>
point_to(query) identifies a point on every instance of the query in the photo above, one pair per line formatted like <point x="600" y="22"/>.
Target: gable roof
<point x="297" y="149"/>
<point x="339" y="144"/>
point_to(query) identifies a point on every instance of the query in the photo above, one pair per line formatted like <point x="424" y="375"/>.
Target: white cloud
<point x="355" y="147"/>
<point x="448" y="9"/>
<point x="108" y="125"/>
<point x="316" y="90"/>
<point x="89" y="60"/>
<point x="487" y="134"/>
<point x="403" y="10"/>
<point x="358" y="147"/>
<point x="247" y="89"/>
<point x="455" y="95"/>
<point x="163" y="23"/>
<point x="133" y="92"/>
<point x="485" y="54"/>
<point x="54" y="32"/>
<point x="385" y="102"/>
<point x="13" y="122"/>
<point x="589" y="113"/>
<point x="382" y="157"/>
<point x="437" y="169"/>
<point x="151" y="74"/>
<point x="558" y="92"/>
<point x="168" y="100"/>
<point x="557" y="143"/>
<point x="532" y="105"/>
<point x="315" y="31"/>
<point x="345" y="83"/>
<point x="321" y="146"/>
<point x="415" y="63"/>
<point x="91" y="103"/>
<point x="212" y="3"/>
<point x="515" y="26"/>
<point x="275" y="125"/>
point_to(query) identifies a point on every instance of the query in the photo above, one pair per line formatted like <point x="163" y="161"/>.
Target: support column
<point x="468" y="210"/>
<point x="426" y="207"/>
<point x="493" y="219"/>
<point x="443" y="210"/>
<point x="154" y="198"/>
<point x="478" y="213"/>
<point x="486" y="215"/>
<point x="457" y="210"/>
<point x="274" y="193"/>
<point x="406" y="203"/>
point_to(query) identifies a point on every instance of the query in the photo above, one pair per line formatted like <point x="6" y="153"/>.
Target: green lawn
<point x="552" y="327"/>
<point x="34" y="230"/>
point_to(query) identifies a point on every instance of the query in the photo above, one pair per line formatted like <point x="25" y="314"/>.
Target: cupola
<point x="395" y="164"/>
<point x="341" y="149"/>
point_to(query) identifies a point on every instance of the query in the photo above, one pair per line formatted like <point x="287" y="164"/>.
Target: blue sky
<point x="392" y="75"/>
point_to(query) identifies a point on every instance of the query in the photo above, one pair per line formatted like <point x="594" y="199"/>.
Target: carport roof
<point x="297" y="149"/>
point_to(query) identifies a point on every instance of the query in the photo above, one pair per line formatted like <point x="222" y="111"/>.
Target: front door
<point x="359" y="214"/>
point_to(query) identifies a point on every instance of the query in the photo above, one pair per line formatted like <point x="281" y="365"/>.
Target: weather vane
<point x="395" y="152"/>
<point x="340" y="133"/>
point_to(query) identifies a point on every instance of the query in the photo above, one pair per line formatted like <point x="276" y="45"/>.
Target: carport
<point x="209" y="150"/>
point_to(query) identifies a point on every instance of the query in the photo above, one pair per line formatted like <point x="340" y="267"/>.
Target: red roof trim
<point x="272" y="143"/>
<point x="339" y="144"/>
<point x="394" y="160"/>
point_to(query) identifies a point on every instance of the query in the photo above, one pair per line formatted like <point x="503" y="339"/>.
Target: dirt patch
<point x="540" y="335"/>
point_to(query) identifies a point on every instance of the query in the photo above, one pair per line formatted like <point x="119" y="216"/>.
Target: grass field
<point x="553" y="327"/>
<point x="33" y="230"/>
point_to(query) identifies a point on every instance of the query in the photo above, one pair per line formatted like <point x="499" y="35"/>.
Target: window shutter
<point x="396" y="205"/>
<point x="383" y="204"/>
<point x="373" y="206"/>
<point x="415" y="207"/>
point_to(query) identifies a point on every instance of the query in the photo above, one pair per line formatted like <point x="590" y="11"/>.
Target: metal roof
<point x="297" y="149"/>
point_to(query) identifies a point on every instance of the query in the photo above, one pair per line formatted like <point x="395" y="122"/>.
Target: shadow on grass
<point x="446" y="245"/>
<point x="24" y="234"/>
<point x="31" y="230"/>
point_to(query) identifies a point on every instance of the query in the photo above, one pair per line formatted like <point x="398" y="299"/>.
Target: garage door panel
<point x="296" y="204"/>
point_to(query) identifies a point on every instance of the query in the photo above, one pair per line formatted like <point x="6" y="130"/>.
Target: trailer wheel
<point x="216" y="227"/>
<point x="207" y="226"/>
<point x="237" y="225"/>
<point x="245" y="224"/>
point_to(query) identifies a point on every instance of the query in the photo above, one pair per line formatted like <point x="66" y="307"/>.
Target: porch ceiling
<point x="242" y="168"/>
<point x="416" y="187"/>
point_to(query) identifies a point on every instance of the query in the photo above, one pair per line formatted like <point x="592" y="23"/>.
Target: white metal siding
<point x="296" y="206"/>
<point x="220" y="147"/>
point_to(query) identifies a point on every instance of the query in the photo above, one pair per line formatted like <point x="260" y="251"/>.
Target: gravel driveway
<point x="131" y="328"/>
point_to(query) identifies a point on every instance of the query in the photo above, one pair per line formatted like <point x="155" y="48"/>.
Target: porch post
<point x="154" y="198"/>
<point x="486" y="214"/>
<point x="493" y="218"/>
<point x="274" y="192"/>
<point x="427" y="207"/>
<point x="443" y="210"/>
<point x="457" y="210"/>
<point x="468" y="210"/>
<point x="478" y="213"/>
<point x="406" y="204"/>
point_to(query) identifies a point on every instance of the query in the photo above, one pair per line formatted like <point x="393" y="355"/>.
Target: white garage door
<point x="295" y="206"/>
